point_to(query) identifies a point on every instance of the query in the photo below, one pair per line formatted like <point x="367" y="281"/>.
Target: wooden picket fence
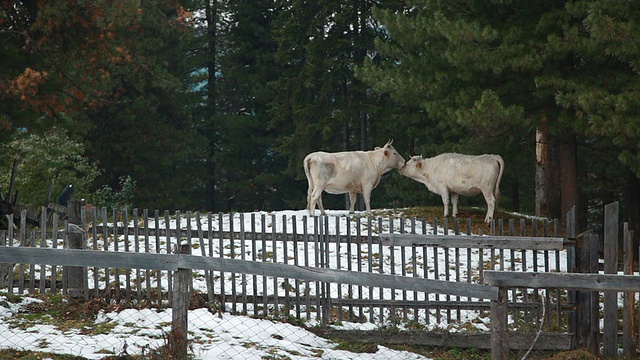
<point x="331" y="273"/>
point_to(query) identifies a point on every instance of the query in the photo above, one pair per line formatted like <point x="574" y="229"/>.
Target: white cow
<point x="453" y="174"/>
<point x="349" y="171"/>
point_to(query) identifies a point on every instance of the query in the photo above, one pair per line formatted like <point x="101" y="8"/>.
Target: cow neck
<point x="377" y="162"/>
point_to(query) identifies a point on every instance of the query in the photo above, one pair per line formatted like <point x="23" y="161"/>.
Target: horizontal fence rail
<point x="566" y="281"/>
<point x="477" y="242"/>
<point x="90" y="258"/>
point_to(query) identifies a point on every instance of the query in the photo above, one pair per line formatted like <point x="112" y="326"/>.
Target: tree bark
<point x="633" y="205"/>
<point x="515" y="197"/>
<point x="547" y="177"/>
<point x="554" y="186"/>
<point x="569" y="174"/>
<point x="211" y="14"/>
<point x="541" y="207"/>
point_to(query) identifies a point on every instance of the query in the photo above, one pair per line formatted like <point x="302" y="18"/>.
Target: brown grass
<point x="522" y="224"/>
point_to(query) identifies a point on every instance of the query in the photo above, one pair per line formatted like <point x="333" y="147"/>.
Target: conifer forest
<point x="212" y="105"/>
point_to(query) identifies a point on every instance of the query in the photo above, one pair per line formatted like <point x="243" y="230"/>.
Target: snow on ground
<point x="211" y="336"/>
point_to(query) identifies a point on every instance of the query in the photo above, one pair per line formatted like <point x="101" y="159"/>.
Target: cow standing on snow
<point x="350" y="171"/>
<point x="451" y="175"/>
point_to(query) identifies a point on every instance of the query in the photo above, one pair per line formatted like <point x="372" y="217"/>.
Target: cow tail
<point x="496" y="188"/>
<point x="307" y="172"/>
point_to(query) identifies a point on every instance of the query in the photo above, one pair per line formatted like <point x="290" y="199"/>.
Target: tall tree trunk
<point x="364" y="145"/>
<point x="633" y="204"/>
<point x="515" y="197"/>
<point x="211" y="14"/>
<point x="541" y="207"/>
<point x="569" y="173"/>
<point x="554" y="186"/>
<point x="547" y="197"/>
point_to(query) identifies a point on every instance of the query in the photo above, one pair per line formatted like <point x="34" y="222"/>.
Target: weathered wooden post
<point x="499" y="323"/>
<point x="628" y="323"/>
<point x="610" y="333"/>
<point x="76" y="239"/>
<point x="572" y="255"/>
<point x="588" y="321"/>
<point x="180" y="308"/>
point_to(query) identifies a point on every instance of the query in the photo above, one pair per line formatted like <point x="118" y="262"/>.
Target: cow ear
<point x="386" y="152"/>
<point x="419" y="165"/>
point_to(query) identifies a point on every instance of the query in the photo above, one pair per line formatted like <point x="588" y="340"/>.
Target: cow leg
<point x="491" y="205"/>
<point x="320" y="205"/>
<point x="353" y="197"/>
<point x="309" y="208"/>
<point x="366" y="196"/>
<point x="316" y="198"/>
<point x="454" y="201"/>
<point x="445" y="201"/>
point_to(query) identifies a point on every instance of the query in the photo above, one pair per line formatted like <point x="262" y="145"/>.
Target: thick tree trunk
<point x="569" y="174"/>
<point x="211" y="13"/>
<point x="547" y="197"/>
<point x="554" y="186"/>
<point x="633" y="204"/>
<point x="364" y="146"/>
<point x="515" y="197"/>
<point x="541" y="207"/>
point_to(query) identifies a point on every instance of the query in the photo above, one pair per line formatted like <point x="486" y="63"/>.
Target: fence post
<point x="499" y="323"/>
<point x="572" y="260"/>
<point x="4" y="268"/>
<point x="610" y="333"/>
<point x="180" y="308"/>
<point x="76" y="275"/>
<point x="628" y="322"/>
<point x="588" y="321"/>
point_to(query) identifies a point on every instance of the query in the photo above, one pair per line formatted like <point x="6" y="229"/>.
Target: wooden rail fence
<point x="275" y="268"/>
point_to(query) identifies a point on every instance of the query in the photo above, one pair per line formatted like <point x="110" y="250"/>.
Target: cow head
<point x="396" y="160"/>
<point x="414" y="165"/>
<point x="390" y="159"/>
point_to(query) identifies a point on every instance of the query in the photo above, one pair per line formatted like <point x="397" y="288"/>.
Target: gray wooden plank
<point x="72" y="257"/>
<point x="340" y="276"/>
<point x="128" y="260"/>
<point x="475" y="241"/>
<point x="568" y="281"/>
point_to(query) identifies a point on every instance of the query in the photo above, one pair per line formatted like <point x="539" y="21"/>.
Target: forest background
<point x="212" y="105"/>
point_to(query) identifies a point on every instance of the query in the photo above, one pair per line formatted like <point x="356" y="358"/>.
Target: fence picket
<point x="253" y="258"/>
<point x="156" y="219"/>
<point x="296" y="262"/>
<point x="243" y="277"/>
<point x="136" y="248"/>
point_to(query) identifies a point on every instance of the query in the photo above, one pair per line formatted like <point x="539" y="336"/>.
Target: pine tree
<point x="319" y="104"/>
<point x="493" y="69"/>
<point x="605" y="45"/>
<point x="113" y="74"/>
<point x="247" y="176"/>
<point x="147" y="131"/>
